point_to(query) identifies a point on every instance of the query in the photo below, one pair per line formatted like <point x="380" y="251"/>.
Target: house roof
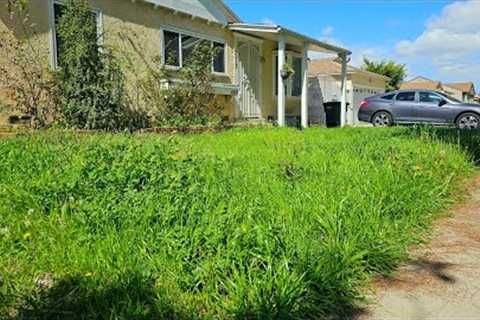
<point x="421" y="84"/>
<point x="333" y="67"/>
<point x="214" y="10"/>
<point x="462" y="86"/>
<point x="274" y="32"/>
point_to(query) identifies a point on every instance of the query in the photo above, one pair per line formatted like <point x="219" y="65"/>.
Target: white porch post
<point x="304" y="107"/>
<point x="281" y="86"/>
<point x="343" y="108"/>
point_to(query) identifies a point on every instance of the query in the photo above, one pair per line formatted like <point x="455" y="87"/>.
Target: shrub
<point x="91" y="80"/>
<point x="173" y="98"/>
<point x="284" y="225"/>
<point x="24" y="73"/>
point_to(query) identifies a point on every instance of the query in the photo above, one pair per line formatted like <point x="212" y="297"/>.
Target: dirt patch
<point x="443" y="279"/>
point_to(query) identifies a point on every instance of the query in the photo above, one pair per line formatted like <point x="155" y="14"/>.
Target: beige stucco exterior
<point x="141" y="21"/>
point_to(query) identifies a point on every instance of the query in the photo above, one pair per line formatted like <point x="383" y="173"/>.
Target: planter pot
<point x="285" y="74"/>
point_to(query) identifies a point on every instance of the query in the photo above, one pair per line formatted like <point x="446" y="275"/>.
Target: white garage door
<point x="360" y="94"/>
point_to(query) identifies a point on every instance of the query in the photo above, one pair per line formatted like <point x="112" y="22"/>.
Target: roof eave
<point x="245" y="27"/>
<point x="224" y="25"/>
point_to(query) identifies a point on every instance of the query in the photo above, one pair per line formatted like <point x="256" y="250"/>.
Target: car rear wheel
<point x="468" y="121"/>
<point x="382" y="119"/>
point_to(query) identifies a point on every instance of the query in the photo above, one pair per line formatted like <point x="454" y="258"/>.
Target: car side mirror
<point x="441" y="103"/>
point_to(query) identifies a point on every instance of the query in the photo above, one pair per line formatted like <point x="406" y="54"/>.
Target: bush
<point x="181" y="98"/>
<point x="284" y="225"/>
<point x="91" y="80"/>
<point x="24" y="74"/>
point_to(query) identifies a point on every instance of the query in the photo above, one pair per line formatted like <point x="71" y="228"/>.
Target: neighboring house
<point x="248" y="78"/>
<point x="421" y="83"/>
<point x="361" y="84"/>
<point x="463" y="91"/>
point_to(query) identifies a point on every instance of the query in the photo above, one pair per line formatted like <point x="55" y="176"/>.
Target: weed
<point x="249" y="224"/>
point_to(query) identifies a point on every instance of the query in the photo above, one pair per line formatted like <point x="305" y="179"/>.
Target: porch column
<point x="304" y="107"/>
<point x="281" y="85"/>
<point x="343" y="108"/>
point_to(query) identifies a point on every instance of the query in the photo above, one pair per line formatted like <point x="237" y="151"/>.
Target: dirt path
<point x="443" y="281"/>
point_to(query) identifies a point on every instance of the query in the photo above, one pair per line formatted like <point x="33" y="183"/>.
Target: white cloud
<point x="450" y="43"/>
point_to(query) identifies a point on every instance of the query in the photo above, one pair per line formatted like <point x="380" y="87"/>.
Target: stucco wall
<point x="142" y="21"/>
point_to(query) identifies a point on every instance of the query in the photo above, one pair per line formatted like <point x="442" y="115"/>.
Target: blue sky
<point x="439" y="39"/>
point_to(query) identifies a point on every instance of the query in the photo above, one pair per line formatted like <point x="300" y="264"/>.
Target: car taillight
<point x="364" y="104"/>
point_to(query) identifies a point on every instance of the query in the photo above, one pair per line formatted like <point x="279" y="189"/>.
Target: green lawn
<point x="247" y="224"/>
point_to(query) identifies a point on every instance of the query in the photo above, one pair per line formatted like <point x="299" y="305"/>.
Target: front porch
<point x="262" y="55"/>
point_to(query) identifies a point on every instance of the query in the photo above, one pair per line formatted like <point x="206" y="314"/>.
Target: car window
<point x="428" y="97"/>
<point x="406" y="96"/>
<point x="388" y="97"/>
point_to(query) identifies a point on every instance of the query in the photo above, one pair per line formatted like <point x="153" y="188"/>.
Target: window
<point x="428" y="97"/>
<point x="219" y="59"/>
<point x="293" y="86"/>
<point x="58" y="45"/>
<point x="388" y="97"/>
<point x="171" y="48"/>
<point x="178" y="49"/>
<point x="189" y="45"/>
<point x="406" y="96"/>
<point x="297" y="77"/>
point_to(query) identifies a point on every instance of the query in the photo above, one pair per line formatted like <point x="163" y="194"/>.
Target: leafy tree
<point x="395" y="71"/>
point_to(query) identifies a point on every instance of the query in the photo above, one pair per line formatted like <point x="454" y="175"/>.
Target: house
<point x="463" y="91"/>
<point x="247" y="70"/>
<point x="422" y="83"/>
<point x="360" y="84"/>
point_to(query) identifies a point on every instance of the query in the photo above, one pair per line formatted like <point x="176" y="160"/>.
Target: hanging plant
<point x="287" y="71"/>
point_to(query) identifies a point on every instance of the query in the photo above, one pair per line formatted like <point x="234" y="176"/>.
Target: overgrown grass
<point x="244" y="224"/>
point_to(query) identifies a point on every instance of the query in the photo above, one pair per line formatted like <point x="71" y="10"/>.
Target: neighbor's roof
<point x="333" y="67"/>
<point x="462" y="86"/>
<point x="273" y="32"/>
<point x="427" y="85"/>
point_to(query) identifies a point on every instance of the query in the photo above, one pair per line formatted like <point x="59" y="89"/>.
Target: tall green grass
<point x="252" y="224"/>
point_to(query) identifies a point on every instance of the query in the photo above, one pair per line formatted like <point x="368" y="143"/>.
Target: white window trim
<point x="190" y="33"/>
<point x="289" y="83"/>
<point x="52" y="31"/>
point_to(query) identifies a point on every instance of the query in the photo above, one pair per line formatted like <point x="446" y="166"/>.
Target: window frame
<point x="184" y="32"/>
<point x="289" y="55"/>
<point x="53" y="32"/>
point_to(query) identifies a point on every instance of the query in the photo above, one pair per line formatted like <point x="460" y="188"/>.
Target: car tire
<point x="468" y="121"/>
<point x="382" y="119"/>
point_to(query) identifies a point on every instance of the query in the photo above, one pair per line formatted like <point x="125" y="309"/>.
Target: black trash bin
<point x="332" y="113"/>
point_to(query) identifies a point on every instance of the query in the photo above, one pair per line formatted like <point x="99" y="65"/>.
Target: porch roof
<point x="274" y="32"/>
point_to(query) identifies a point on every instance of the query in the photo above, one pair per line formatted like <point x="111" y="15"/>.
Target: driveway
<point x="443" y="280"/>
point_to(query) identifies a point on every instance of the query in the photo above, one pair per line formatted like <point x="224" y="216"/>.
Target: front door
<point x="248" y="79"/>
